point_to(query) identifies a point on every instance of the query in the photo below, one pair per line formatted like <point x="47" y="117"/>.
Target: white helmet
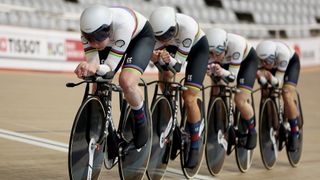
<point x="218" y="40"/>
<point x="95" y="23"/>
<point x="163" y="22"/>
<point x="266" y="51"/>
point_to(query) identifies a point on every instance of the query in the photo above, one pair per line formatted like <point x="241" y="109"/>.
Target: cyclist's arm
<point x="118" y="48"/>
<point x="187" y="37"/>
<point x="237" y="48"/>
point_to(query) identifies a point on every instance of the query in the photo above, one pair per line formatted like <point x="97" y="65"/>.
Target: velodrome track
<point x="37" y="112"/>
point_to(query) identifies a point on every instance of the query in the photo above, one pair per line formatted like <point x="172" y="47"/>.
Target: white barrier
<point x="47" y="50"/>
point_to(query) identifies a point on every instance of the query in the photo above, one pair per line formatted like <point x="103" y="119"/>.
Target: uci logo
<point x="189" y="78"/>
<point x="129" y="60"/>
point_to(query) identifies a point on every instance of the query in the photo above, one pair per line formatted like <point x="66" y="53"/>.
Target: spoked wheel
<point x="162" y="122"/>
<point x="133" y="162"/>
<point x="268" y="133"/>
<point x="216" y="145"/>
<point x="86" y="143"/>
<point x="243" y="155"/>
<point x="191" y="172"/>
<point x="294" y="157"/>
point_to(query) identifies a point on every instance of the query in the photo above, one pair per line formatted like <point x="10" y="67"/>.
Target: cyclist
<point x="233" y="57"/>
<point x="109" y="42"/>
<point x="280" y="65"/>
<point x="180" y="39"/>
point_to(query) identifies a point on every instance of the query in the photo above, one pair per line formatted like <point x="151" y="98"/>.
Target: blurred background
<point x="35" y="33"/>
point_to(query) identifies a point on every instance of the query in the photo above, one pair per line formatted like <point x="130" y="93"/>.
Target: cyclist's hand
<point x="210" y="69"/>
<point x="80" y="69"/>
<point x="86" y="69"/>
<point x="165" y="56"/>
<point x="218" y="70"/>
<point x="262" y="81"/>
<point x="155" y="56"/>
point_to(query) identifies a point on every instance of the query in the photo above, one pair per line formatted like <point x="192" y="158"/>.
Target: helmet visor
<point x="168" y="34"/>
<point x="99" y="35"/>
<point x="269" y="60"/>
<point x="218" y="50"/>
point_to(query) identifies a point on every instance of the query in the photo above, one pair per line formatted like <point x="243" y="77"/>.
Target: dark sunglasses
<point x="269" y="60"/>
<point x="168" y="34"/>
<point x="99" y="35"/>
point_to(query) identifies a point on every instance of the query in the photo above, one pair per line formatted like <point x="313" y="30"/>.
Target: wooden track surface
<point x="39" y="105"/>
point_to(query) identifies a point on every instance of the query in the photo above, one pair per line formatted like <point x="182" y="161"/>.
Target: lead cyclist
<point x="109" y="42"/>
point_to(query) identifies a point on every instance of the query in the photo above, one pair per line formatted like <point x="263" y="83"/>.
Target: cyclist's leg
<point x="193" y="125"/>
<point x="245" y="82"/>
<point x="138" y="55"/>
<point x="195" y="72"/>
<point x="288" y="93"/>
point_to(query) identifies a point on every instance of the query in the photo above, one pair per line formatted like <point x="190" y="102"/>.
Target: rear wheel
<point x="268" y="132"/>
<point x="216" y="145"/>
<point x="191" y="172"/>
<point x="162" y="122"/>
<point x="243" y="155"/>
<point x="86" y="141"/>
<point x="294" y="157"/>
<point x="133" y="162"/>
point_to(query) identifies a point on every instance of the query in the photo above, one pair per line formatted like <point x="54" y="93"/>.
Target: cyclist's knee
<point x="189" y="97"/>
<point x="128" y="80"/>
<point x="287" y="94"/>
<point x="241" y="100"/>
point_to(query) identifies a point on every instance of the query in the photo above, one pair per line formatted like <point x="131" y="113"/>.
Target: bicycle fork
<point x="92" y="147"/>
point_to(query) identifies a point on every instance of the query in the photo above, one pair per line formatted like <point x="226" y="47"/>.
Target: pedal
<point x="176" y="143"/>
<point x="282" y="137"/>
<point x="185" y="143"/>
<point x="112" y="145"/>
<point x="231" y="140"/>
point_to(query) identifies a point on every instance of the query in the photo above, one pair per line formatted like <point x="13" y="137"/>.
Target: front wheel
<point x="268" y="133"/>
<point x="162" y="122"/>
<point x="216" y="145"/>
<point x="85" y="156"/>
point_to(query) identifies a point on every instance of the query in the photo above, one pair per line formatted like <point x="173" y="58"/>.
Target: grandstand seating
<point x="290" y="16"/>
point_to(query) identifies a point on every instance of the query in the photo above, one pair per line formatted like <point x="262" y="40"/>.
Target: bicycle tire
<point x="192" y="172"/>
<point x="133" y="162"/>
<point x="215" y="149"/>
<point x="89" y="123"/>
<point x="162" y="122"/>
<point x="268" y="129"/>
<point x="295" y="157"/>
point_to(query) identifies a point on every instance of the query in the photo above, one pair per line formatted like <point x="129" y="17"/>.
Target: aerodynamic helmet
<point x="163" y="22"/>
<point x="96" y="23"/>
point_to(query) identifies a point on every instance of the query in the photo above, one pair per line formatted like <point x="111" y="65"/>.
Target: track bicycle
<point x="95" y="140"/>
<point x="171" y="138"/>
<point x="275" y="129"/>
<point x="226" y="131"/>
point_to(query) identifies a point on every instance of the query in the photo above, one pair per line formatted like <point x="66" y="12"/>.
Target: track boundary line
<point x="62" y="147"/>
